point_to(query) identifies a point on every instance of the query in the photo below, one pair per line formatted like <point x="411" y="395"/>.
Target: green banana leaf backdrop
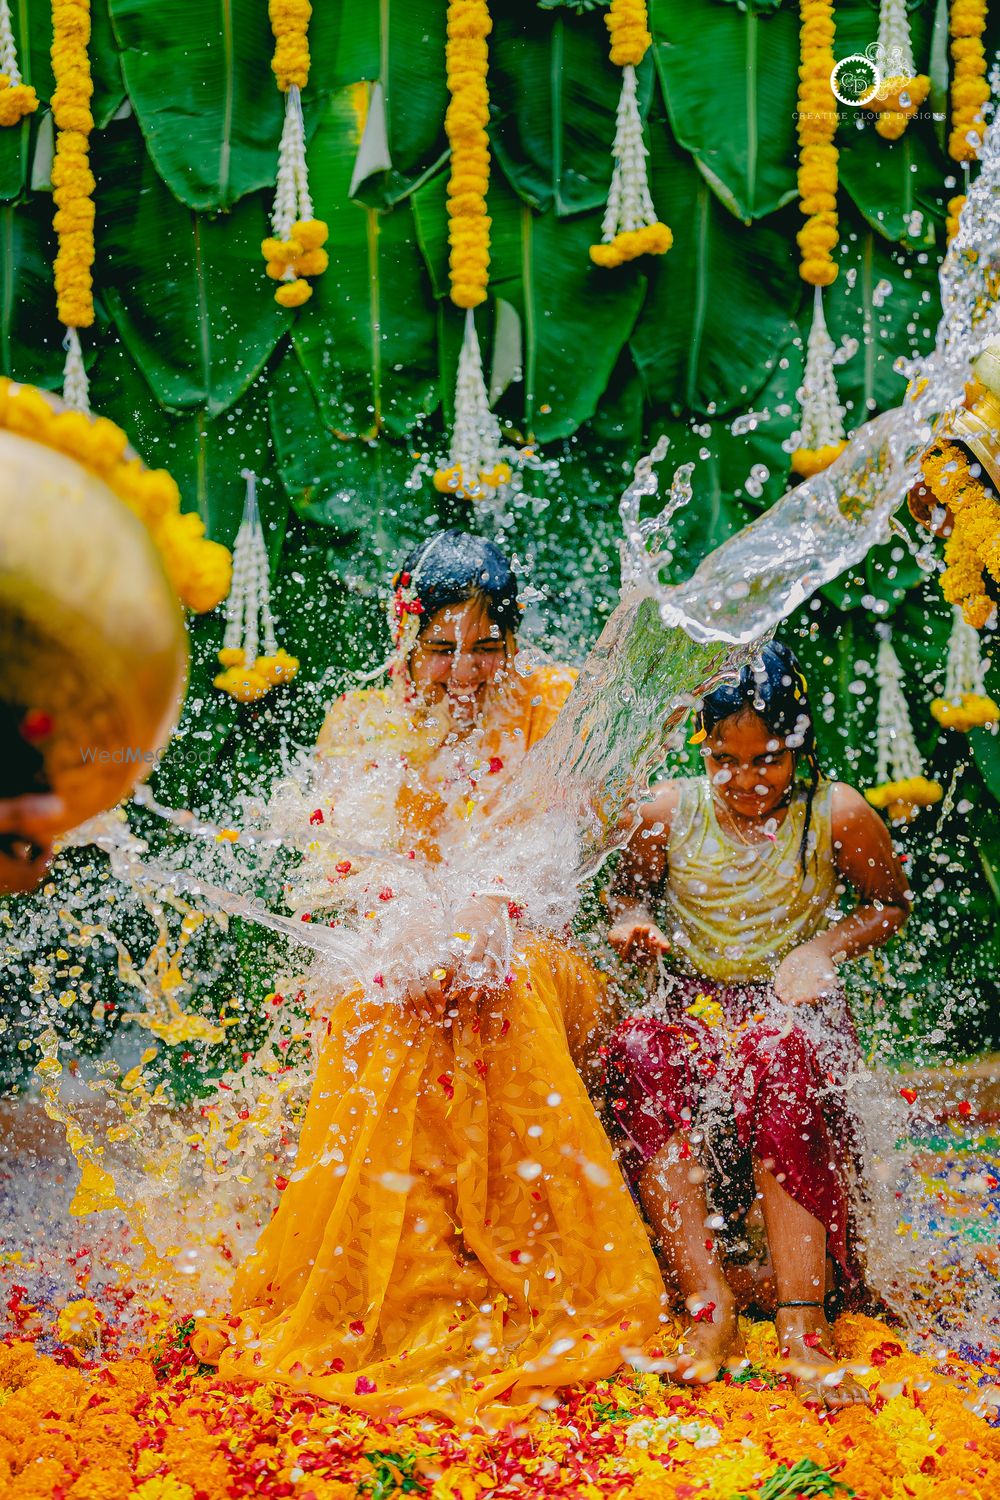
<point x="342" y="408"/>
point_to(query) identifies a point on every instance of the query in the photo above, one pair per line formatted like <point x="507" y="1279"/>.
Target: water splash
<point x="559" y="813"/>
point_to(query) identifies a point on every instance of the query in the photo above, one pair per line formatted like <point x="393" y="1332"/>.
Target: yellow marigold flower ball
<point x="16" y="101"/>
<point x="312" y="263"/>
<point x="818" y="271"/>
<point x="448" y="481"/>
<point x="276" y="269"/>
<point x="904" y="799"/>
<point x="283" y="251"/>
<point x="293" y="293"/>
<point x="232" y="656"/>
<point x="278" y="668"/>
<point x="245" y="684"/>
<point x="810" y="461"/>
<point x="310" y="233"/>
<point x="467" y="295"/>
<point x="500" y="474"/>
<point x="955" y="206"/>
<point x="974" y="711"/>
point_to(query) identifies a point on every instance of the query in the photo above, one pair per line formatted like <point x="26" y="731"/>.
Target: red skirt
<point x="754" y="1079"/>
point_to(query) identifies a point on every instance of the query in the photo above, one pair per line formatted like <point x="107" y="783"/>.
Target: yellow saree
<point x="456" y="1230"/>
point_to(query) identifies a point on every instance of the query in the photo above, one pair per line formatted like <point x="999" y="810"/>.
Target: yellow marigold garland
<point x="630" y="227"/>
<point x="294" y="249"/>
<point x="73" y="184"/>
<point x="969" y="89"/>
<point x="467" y="61"/>
<point x="972" y="551"/>
<point x="290" y="25"/>
<point x="818" y="156"/>
<point x="17" y="99"/>
<point x="199" y="569"/>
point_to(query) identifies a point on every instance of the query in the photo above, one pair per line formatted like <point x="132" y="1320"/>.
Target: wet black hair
<point x="772" y="685"/>
<point x="452" y="567"/>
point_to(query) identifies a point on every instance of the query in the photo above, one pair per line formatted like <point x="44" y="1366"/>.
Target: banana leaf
<point x="199" y="79"/>
<point x="541" y="263"/>
<point x="206" y="455"/>
<point x="691" y="352"/>
<point x="898" y="186"/>
<point x="554" y="93"/>
<point x="356" y="490"/>
<point x="729" y="80"/>
<point x="30" y="334"/>
<point x="188" y="293"/>
<point x="886" y="302"/>
<point x="367" y="337"/>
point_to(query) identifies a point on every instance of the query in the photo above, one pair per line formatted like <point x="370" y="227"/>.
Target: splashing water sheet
<point x="195" y="1181"/>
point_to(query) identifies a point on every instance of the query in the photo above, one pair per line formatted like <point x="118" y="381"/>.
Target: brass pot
<point x="978" y="429"/>
<point x="93" y="645"/>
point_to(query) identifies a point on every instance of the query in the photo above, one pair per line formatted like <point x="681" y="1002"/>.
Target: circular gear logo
<point x="856" y="80"/>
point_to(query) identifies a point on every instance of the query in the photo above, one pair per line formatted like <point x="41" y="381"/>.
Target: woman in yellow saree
<point x="456" y="1235"/>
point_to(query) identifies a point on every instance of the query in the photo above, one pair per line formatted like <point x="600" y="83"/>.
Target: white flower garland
<point x="478" y="466"/>
<point x="897" y="756"/>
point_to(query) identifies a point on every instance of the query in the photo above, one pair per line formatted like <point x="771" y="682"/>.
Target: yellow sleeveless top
<point x="734" y="910"/>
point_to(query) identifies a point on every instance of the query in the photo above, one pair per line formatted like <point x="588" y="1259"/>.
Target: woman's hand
<point x="480" y="942"/>
<point x="638" y="940"/>
<point x="805" y="976"/>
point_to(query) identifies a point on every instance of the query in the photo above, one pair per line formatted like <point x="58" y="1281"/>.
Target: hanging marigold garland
<point x="73" y="186"/>
<point x="467" y="61"/>
<point x="969" y="92"/>
<point x="972" y="551"/>
<point x="630" y="227"/>
<point x="903" y="92"/>
<point x="965" y="703"/>
<point x="821" y="434"/>
<point x="901" y="786"/>
<point x="17" y="99"/>
<point x="476" y="467"/>
<point x="294" y="249"/>
<point x="817" y="125"/>
<point x="198" y="568"/>
<point x="969" y="89"/>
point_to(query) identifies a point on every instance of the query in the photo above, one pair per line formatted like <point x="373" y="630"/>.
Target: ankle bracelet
<point x="799" y="1304"/>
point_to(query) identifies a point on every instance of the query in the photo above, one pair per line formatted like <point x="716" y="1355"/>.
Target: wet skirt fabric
<point x="757" y="1080"/>
<point x="456" y="1236"/>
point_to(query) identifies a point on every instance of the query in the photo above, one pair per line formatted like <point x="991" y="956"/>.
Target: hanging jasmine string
<point x="247" y="675"/>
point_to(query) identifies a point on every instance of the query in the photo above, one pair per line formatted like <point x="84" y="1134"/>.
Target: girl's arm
<point x="634" y="934"/>
<point x="865" y="859"/>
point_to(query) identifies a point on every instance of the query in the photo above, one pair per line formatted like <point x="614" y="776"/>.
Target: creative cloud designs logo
<point x="859" y="78"/>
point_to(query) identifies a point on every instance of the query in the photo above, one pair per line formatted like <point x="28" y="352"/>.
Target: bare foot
<point x="710" y="1341"/>
<point x="806" y="1344"/>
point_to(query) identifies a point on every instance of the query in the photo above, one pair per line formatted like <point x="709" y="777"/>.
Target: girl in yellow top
<point x="456" y="1236"/>
<point x="746" y="865"/>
